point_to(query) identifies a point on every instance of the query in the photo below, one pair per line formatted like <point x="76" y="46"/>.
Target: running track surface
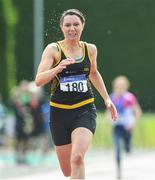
<point x="100" y="165"/>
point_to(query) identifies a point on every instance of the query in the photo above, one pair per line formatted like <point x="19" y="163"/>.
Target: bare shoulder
<point x="52" y="47"/>
<point x="92" y="48"/>
<point x="51" y="51"/>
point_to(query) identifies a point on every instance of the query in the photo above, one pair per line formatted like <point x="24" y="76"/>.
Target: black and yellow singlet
<point x="71" y="88"/>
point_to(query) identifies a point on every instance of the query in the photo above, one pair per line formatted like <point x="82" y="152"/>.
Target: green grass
<point x="143" y="135"/>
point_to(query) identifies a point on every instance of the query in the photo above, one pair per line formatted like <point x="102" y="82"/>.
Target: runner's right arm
<point x="45" y="72"/>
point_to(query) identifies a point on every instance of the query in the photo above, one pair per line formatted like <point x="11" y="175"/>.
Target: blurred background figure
<point x="21" y="135"/>
<point x="129" y="111"/>
<point x="30" y="112"/>
<point x="2" y="121"/>
<point x="39" y="139"/>
<point x="47" y="139"/>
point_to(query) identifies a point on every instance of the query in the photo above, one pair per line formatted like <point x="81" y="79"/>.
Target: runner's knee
<point x="77" y="159"/>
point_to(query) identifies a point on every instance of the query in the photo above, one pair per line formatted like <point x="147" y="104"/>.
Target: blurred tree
<point x="24" y="37"/>
<point x="10" y="19"/>
<point x="2" y="53"/>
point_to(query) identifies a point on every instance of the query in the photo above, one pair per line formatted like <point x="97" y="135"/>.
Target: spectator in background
<point x="129" y="111"/>
<point x="46" y="137"/>
<point x="2" y="121"/>
<point x="24" y="91"/>
<point x="36" y="111"/>
<point x="39" y="134"/>
<point x="30" y="132"/>
<point x="20" y="130"/>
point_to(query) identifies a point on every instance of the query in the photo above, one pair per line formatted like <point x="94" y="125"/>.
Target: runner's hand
<point x="63" y="64"/>
<point x="111" y="107"/>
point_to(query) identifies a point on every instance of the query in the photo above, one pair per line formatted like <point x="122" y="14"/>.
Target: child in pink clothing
<point x="128" y="112"/>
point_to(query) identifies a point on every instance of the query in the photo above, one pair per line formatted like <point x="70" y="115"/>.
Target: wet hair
<point x="75" y="12"/>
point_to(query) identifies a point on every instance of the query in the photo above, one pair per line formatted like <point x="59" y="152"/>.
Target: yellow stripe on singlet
<point x="65" y="106"/>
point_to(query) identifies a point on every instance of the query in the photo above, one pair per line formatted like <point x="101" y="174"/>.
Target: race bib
<point x="75" y="83"/>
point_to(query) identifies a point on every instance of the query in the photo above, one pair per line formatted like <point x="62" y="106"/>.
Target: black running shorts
<point x="63" y="122"/>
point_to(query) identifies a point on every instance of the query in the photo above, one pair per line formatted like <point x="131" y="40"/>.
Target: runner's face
<point x="72" y="27"/>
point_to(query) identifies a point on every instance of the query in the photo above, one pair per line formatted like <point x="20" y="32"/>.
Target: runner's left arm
<point x="97" y="81"/>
